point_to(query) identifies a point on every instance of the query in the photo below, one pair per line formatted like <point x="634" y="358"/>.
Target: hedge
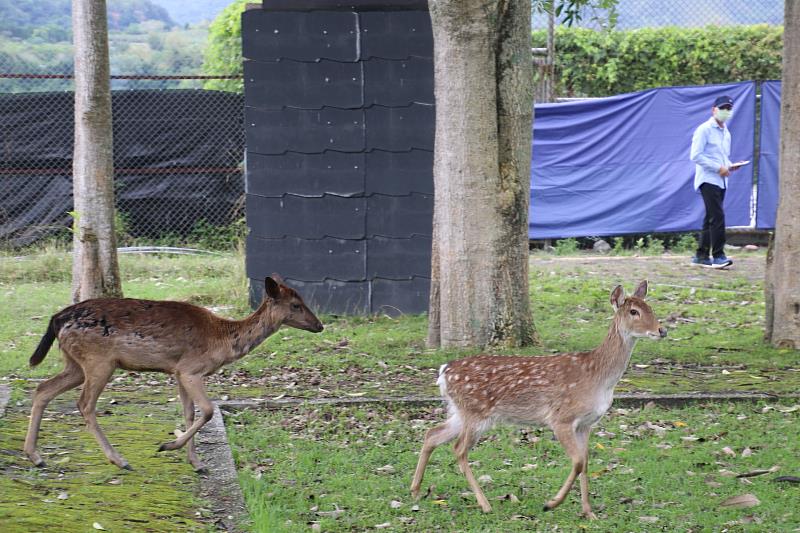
<point x="602" y="63"/>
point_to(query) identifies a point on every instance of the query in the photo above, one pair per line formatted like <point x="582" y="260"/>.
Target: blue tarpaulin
<point x="767" y="204"/>
<point x="618" y="165"/>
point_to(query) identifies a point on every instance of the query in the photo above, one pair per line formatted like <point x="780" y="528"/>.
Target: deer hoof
<point x="200" y="469"/>
<point x="126" y="466"/>
<point x="589" y="515"/>
<point x="167" y="446"/>
<point x="546" y="508"/>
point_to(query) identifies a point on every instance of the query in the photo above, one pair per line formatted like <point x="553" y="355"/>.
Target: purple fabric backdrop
<point x="621" y="164"/>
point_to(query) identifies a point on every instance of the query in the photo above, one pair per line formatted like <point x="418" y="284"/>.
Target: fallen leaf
<point x="791" y="409"/>
<point x="728" y="451"/>
<point x="485" y="479"/>
<point x="394" y="504"/>
<point x="63" y="496"/>
<point x="741" y="501"/>
<point x="115" y="481"/>
<point x="787" y="479"/>
<point x="510" y="497"/>
<point x="385" y="469"/>
<point x="439" y="502"/>
<point x="97" y="525"/>
<point x="747" y="452"/>
<point x="648" y="519"/>
<point x="384" y="525"/>
<point x="331" y="514"/>
<point x="679" y="424"/>
<point x="356" y="394"/>
<point x="727" y="473"/>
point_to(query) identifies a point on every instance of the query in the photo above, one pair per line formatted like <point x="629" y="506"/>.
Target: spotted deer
<point x="98" y="336"/>
<point x="567" y="392"/>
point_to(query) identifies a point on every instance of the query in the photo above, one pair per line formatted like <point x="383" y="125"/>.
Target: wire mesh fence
<point x="633" y="14"/>
<point x="177" y="159"/>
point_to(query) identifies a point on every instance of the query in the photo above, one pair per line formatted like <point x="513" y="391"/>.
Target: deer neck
<point x="248" y="333"/>
<point x="614" y="353"/>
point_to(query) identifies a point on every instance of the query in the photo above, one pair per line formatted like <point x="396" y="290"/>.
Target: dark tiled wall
<point x="340" y="124"/>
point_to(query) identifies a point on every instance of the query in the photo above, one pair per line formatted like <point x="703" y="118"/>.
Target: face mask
<point x="723" y="114"/>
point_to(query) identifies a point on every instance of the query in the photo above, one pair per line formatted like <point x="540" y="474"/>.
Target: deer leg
<point x="569" y="440"/>
<point x="69" y="378"/>
<point x="188" y="414"/>
<point x="465" y="441"/>
<point x="94" y="384"/>
<point x="583" y="441"/>
<point x="193" y="385"/>
<point x="434" y="437"/>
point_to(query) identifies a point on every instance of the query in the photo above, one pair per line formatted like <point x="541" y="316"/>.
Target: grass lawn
<point x="298" y="463"/>
<point x="652" y="469"/>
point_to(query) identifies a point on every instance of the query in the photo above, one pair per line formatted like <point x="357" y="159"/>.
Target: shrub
<point x="602" y="63"/>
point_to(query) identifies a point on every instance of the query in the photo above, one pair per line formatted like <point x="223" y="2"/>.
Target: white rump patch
<point x="442" y="381"/>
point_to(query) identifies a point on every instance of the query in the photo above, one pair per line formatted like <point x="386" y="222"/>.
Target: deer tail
<point x="46" y="342"/>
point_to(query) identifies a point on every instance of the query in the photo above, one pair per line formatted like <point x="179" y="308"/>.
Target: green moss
<point x="159" y="495"/>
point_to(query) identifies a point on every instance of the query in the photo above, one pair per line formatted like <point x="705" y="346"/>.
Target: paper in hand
<point x="738" y="164"/>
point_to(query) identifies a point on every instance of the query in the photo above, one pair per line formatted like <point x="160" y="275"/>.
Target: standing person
<point x="711" y="149"/>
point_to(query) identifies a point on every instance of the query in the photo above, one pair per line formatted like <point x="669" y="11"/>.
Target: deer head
<point x="288" y="306"/>
<point x="633" y="315"/>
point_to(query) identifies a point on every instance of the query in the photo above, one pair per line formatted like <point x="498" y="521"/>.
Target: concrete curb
<point x="622" y="399"/>
<point x="220" y="485"/>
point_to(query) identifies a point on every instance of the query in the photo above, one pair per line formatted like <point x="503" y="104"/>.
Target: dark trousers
<point x="712" y="237"/>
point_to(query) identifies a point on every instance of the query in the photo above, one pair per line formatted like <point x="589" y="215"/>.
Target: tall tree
<point x="95" y="272"/>
<point x="482" y="156"/>
<point x="782" y="284"/>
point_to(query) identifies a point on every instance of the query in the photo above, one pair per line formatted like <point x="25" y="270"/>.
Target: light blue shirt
<point x="711" y="149"/>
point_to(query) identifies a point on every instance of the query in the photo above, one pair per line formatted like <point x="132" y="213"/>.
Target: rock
<point x="601" y="246"/>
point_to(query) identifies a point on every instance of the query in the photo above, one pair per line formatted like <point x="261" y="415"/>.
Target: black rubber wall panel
<point x="267" y="36"/>
<point x="339" y="119"/>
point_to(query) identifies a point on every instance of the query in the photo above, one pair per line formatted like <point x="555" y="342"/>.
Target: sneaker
<point x="721" y="262"/>
<point x="702" y="261"/>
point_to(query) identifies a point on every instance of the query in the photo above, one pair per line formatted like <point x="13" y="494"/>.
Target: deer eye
<point x="295" y="307"/>
<point x="634" y="312"/>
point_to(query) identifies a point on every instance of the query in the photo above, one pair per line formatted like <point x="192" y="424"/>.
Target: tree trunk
<point x="484" y="105"/>
<point x="783" y="277"/>
<point x="95" y="272"/>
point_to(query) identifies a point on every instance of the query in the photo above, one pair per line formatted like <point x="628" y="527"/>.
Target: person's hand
<point x="724" y="172"/>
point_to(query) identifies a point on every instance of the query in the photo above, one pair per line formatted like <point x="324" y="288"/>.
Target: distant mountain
<point x="51" y="20"/>
<point x="184" y="12"/>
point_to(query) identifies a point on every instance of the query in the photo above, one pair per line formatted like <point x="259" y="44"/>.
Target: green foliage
<point x="593" y="63"/>
<point x="685" y="244"/>
<point x="223" y="53"/>
<point x="211" y="237"/>
<point x="649" y="245"/>
<point x="566" y="246"/>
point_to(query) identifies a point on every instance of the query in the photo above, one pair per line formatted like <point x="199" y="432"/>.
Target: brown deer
<point x="567" y="392"/>
<point x="98" y="336"/>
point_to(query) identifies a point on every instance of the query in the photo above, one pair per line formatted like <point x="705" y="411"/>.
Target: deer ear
<point x="272" y="289"/>
<point x="277" y="277"/>
<point x="641" y="290"/>
<point x="617" y="297"/>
